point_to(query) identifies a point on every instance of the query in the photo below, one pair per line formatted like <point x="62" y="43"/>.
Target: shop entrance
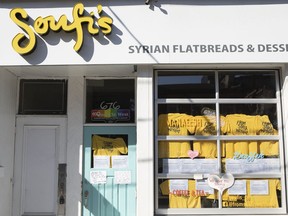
<point x="109" y="171"/>
<point x="40" y="149"/>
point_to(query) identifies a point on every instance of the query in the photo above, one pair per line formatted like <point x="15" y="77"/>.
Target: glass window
<point x="247" y="84"/>
<point x="218" y="143"/>
<point x="186" y="85"/>
<point x="110" y="101"/>
<point x="47" y="97"/>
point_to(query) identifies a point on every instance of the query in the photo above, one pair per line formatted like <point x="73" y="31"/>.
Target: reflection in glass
<point x="189" y="109"/>
<point x="186" y="85"/>
<point x="247" y="85"/>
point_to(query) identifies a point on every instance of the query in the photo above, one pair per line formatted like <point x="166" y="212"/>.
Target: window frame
<point x="20" y="96"/>
<point x="217" y="101"/>
<point x="85" y="123"/>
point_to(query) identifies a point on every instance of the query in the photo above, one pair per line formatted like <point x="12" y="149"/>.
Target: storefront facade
<point x="143" y="108"/>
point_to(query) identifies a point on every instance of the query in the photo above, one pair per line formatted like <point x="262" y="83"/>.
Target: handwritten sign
<point x="220" y="184"/>
<point x="98" y="177"/>
<point x="122" y="177"/>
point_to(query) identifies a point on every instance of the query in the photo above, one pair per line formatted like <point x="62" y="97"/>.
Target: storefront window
<point x="217" y="142"/>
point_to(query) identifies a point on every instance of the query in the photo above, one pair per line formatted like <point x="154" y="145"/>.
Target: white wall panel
<point x="145" y="147"/>
<point x="8" y="83"/>
<point x="74" y="145"/>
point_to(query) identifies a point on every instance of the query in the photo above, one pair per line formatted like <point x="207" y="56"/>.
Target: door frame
<point x="35" y="121"/>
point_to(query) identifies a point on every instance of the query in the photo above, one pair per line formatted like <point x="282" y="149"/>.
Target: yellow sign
<point x="25" y="45"/>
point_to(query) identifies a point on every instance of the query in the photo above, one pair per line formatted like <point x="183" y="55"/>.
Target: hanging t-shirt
<point x="206" y="126"/>
<point x="108" y="146"/>
<point x="182" y="201"/>
<point x="174" y="124"/>
<point x="268" y="148"/>
<point x="269" y="200"/>
<point x="241" y="124"/>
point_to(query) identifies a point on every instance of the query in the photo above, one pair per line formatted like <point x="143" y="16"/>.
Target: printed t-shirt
<point x="174" y="124"/>
<point x="206" y="126"/>
<point x="268" y="148"/>
<point x="178" y="201"/>
<point x="108" y="146"/>
<point x="263" y="201"/>
<point x="241" y="124"/>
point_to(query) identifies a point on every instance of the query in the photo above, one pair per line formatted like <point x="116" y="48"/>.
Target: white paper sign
<point x="238" y="188"/>
<point x="98" y="177"/>
<point x="272" y="165"/>
<point x="172" y="165"/>
<point x="234" y="166"/>
<point x="220" y="184"/>
<point x="266" y="165"/>
<point x="101" y="162"/>
<point x="122" y="177"/>
<point x="259" y="187"/>
<point x="253" y="167"/>
<point x="190" y="166"/>
<point x="203" y="185"/>
<point x="208" y="165"/>
<point x="178" y="184"/>
<point x="120" y="161"/>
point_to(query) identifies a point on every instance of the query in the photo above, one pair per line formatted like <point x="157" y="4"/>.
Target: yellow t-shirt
<point x="108" y="146"/>
<point x="174" y="124"/>
<point x="182" y="201"/>
<point x="240" y="124"/>
<point x="268" y="148"/>
<point x="263" y="201"/>
<point x="206" y="126"/>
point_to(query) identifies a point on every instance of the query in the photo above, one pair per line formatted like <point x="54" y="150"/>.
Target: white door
<point x="40" y="147"/>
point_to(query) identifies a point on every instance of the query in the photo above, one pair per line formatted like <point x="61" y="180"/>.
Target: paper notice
<point x="122" y="177"/>
<point x="119" y="161"/>
<point x="98" y="177"/>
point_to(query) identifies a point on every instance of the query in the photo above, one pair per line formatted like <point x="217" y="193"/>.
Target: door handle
<point x="86" y="195"/>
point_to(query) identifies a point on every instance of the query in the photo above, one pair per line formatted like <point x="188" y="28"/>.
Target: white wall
<point x="8" y="87"/>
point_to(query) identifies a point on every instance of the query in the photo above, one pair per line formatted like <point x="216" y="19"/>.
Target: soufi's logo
<point x="42" y="25"/>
